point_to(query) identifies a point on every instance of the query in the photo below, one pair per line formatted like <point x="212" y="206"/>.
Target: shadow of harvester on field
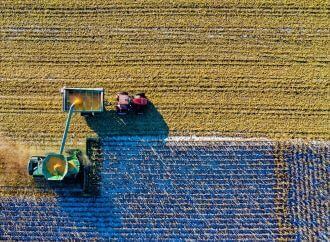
<point x="109" y="123"/>
<point x="91" y="212"/>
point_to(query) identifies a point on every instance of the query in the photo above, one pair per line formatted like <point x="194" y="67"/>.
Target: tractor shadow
<point x="109" y="123"/>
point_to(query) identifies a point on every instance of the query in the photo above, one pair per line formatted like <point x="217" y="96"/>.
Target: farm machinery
<point x="57" y="166"/>
<point x="126" y="103"/>
<point x="73" y="166"/>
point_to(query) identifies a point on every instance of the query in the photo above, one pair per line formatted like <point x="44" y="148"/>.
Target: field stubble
<point x="209" y="68"/>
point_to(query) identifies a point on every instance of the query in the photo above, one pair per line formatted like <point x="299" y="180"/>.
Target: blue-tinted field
<point x="210" y="190"/>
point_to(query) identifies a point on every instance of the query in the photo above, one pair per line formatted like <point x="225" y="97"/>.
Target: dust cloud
<point x="13" y="161"/>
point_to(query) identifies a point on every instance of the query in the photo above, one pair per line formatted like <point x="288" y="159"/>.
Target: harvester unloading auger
<point x="56" y="166"/>
<point x="86" y="101"/>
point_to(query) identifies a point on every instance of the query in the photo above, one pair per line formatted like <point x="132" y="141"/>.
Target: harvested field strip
<point x="183" y="187"/>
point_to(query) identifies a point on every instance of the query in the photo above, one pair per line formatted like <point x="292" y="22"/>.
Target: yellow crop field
<point x="230" y="68"/>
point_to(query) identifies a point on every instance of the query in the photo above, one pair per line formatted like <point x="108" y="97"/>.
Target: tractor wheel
<point x="141" y="94"/>
<point x="122" y="93"/>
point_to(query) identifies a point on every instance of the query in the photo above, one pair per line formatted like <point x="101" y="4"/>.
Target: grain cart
<point x="56" y="166"/>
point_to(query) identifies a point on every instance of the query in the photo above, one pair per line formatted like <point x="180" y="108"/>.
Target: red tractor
<point x="126" y="103"/>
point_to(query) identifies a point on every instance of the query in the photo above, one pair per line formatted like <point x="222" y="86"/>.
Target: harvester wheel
<point x="80" y="175"/>
<point x="93" y="172"/>
<point x="33" y="163"/>
<point x="30" y="168"/>
<point x="86" y="185"/>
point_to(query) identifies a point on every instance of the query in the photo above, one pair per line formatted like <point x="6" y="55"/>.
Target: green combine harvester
<point x="56" y="166"/>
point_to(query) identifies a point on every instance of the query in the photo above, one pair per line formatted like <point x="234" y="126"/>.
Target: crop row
<point x="291" y="4"/>
<point x="126" y="9"/>
<point x="229" y="84"/>
<point x="61" y="72"/>
<point x="165" y="36"/>
<point x="250" y="48"/>
<point x="166" y="19"/>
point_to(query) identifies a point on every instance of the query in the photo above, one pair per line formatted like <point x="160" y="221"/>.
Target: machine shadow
<point x="96" y="204"/>
<point x="109" y="123"/>
<point x="106" y="125"/>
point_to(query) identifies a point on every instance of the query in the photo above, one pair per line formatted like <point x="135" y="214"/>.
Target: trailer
<point x="92" y="100"/>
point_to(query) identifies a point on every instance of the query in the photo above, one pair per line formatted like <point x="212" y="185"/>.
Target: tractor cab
<point x="126" y="103"/>
<point x="123" y="103"/>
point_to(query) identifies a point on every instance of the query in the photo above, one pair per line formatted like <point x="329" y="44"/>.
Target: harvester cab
<point x="56" y="166"/>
